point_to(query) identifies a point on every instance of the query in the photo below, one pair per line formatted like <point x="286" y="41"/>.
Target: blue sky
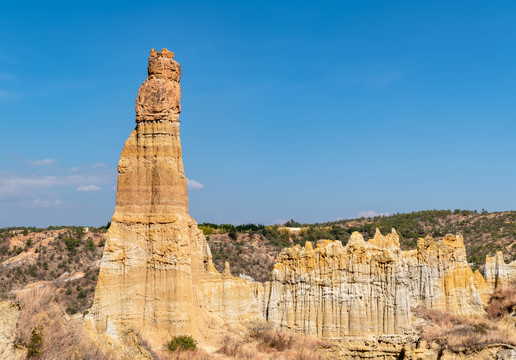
<point x="291" y="109"/>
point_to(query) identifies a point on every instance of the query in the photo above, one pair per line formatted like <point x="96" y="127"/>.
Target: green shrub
<point x="70" y="309"/>
<point x="81" y="294"/>
<point x="91" y="245"/>
<point x="71" y="244"/>
<point x="181" y="343"/>
<point x="34" y="345"/>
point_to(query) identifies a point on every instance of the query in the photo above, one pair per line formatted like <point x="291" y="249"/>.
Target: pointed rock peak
<point x="453" y="240"/>
<point x="152" y="183"/>
<point x="227" y="271"/>
<point x="387" y="241"/>
<point x="308" y="246"/>
<point x="499" y="257"/>
<point x="496" y="258"/>
<point x="356" y="239"/>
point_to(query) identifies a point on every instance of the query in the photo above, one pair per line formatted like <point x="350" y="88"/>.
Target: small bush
<point x="81" y="294"/>
<point x="70" y="309"/>
<point x="502" y="302"/>
<point x="271" y="339"/>
<point x="182" y="343"/>
<point x="35" y="343"/>
<point x="235" y="349"/>
<point x="91" y="245"/>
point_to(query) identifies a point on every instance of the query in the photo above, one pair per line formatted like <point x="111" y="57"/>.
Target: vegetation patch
<point x="182" y="343"/>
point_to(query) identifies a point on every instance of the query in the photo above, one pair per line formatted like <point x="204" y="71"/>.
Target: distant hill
<point x="484" y="234"/>
<point x="69" y="257"/>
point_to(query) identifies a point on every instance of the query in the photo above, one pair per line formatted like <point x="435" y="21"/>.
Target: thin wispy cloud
<point x="371" y="213"/>
<point x="42" y="162"/>
<point x="43" y="192"/>
<point x="193" y="185"/>
<point x="15" y="185"/>
<point x="44" y="203"/>
<point x="88" y="188"/>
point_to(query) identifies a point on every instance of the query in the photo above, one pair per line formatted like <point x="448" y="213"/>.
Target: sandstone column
<point x="151" y="261"/>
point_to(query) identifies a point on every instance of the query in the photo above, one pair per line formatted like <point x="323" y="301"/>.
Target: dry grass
<point x="502" y="302"/>
<point x="262" y="342"/>
<point x="62" y="337"/>
<point x="460" y="332"/>
<point x="182" y="355"/>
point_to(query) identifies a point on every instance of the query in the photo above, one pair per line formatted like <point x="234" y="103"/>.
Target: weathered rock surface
<point x="369" y="287"/>
<point x="156" y="277"/>
<point x="9" y="315"/>
<point x="497" y="272"/>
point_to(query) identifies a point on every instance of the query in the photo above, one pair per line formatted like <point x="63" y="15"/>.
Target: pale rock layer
<point x="9" y="315"/>
<point x="333" y="291"/>
<point x="498" y="273"/>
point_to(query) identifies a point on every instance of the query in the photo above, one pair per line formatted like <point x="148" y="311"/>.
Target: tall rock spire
<point x="157" y="277"/>
<point x="151" y="260"/>
<point x="151" y="181"/>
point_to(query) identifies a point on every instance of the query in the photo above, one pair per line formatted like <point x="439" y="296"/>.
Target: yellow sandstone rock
<point x="366" y="288"/>
<point x="156" y="277"/>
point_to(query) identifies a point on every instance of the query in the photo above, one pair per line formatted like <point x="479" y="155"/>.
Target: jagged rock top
<point x="159" y="98"/>
<point x="163" y="66"/>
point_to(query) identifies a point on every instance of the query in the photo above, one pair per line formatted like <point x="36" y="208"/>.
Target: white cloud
<point x="193" y="185"/>
<point x="42" y="162"/>
<point x="371" y="213"/>
<point x="88" y="188"/>
<point x="38" y="203"/>
<point x="18" y="185"/>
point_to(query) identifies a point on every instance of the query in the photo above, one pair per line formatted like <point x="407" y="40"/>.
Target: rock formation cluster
<point x="157" y="278"/>
<point x="369" y="287"/>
